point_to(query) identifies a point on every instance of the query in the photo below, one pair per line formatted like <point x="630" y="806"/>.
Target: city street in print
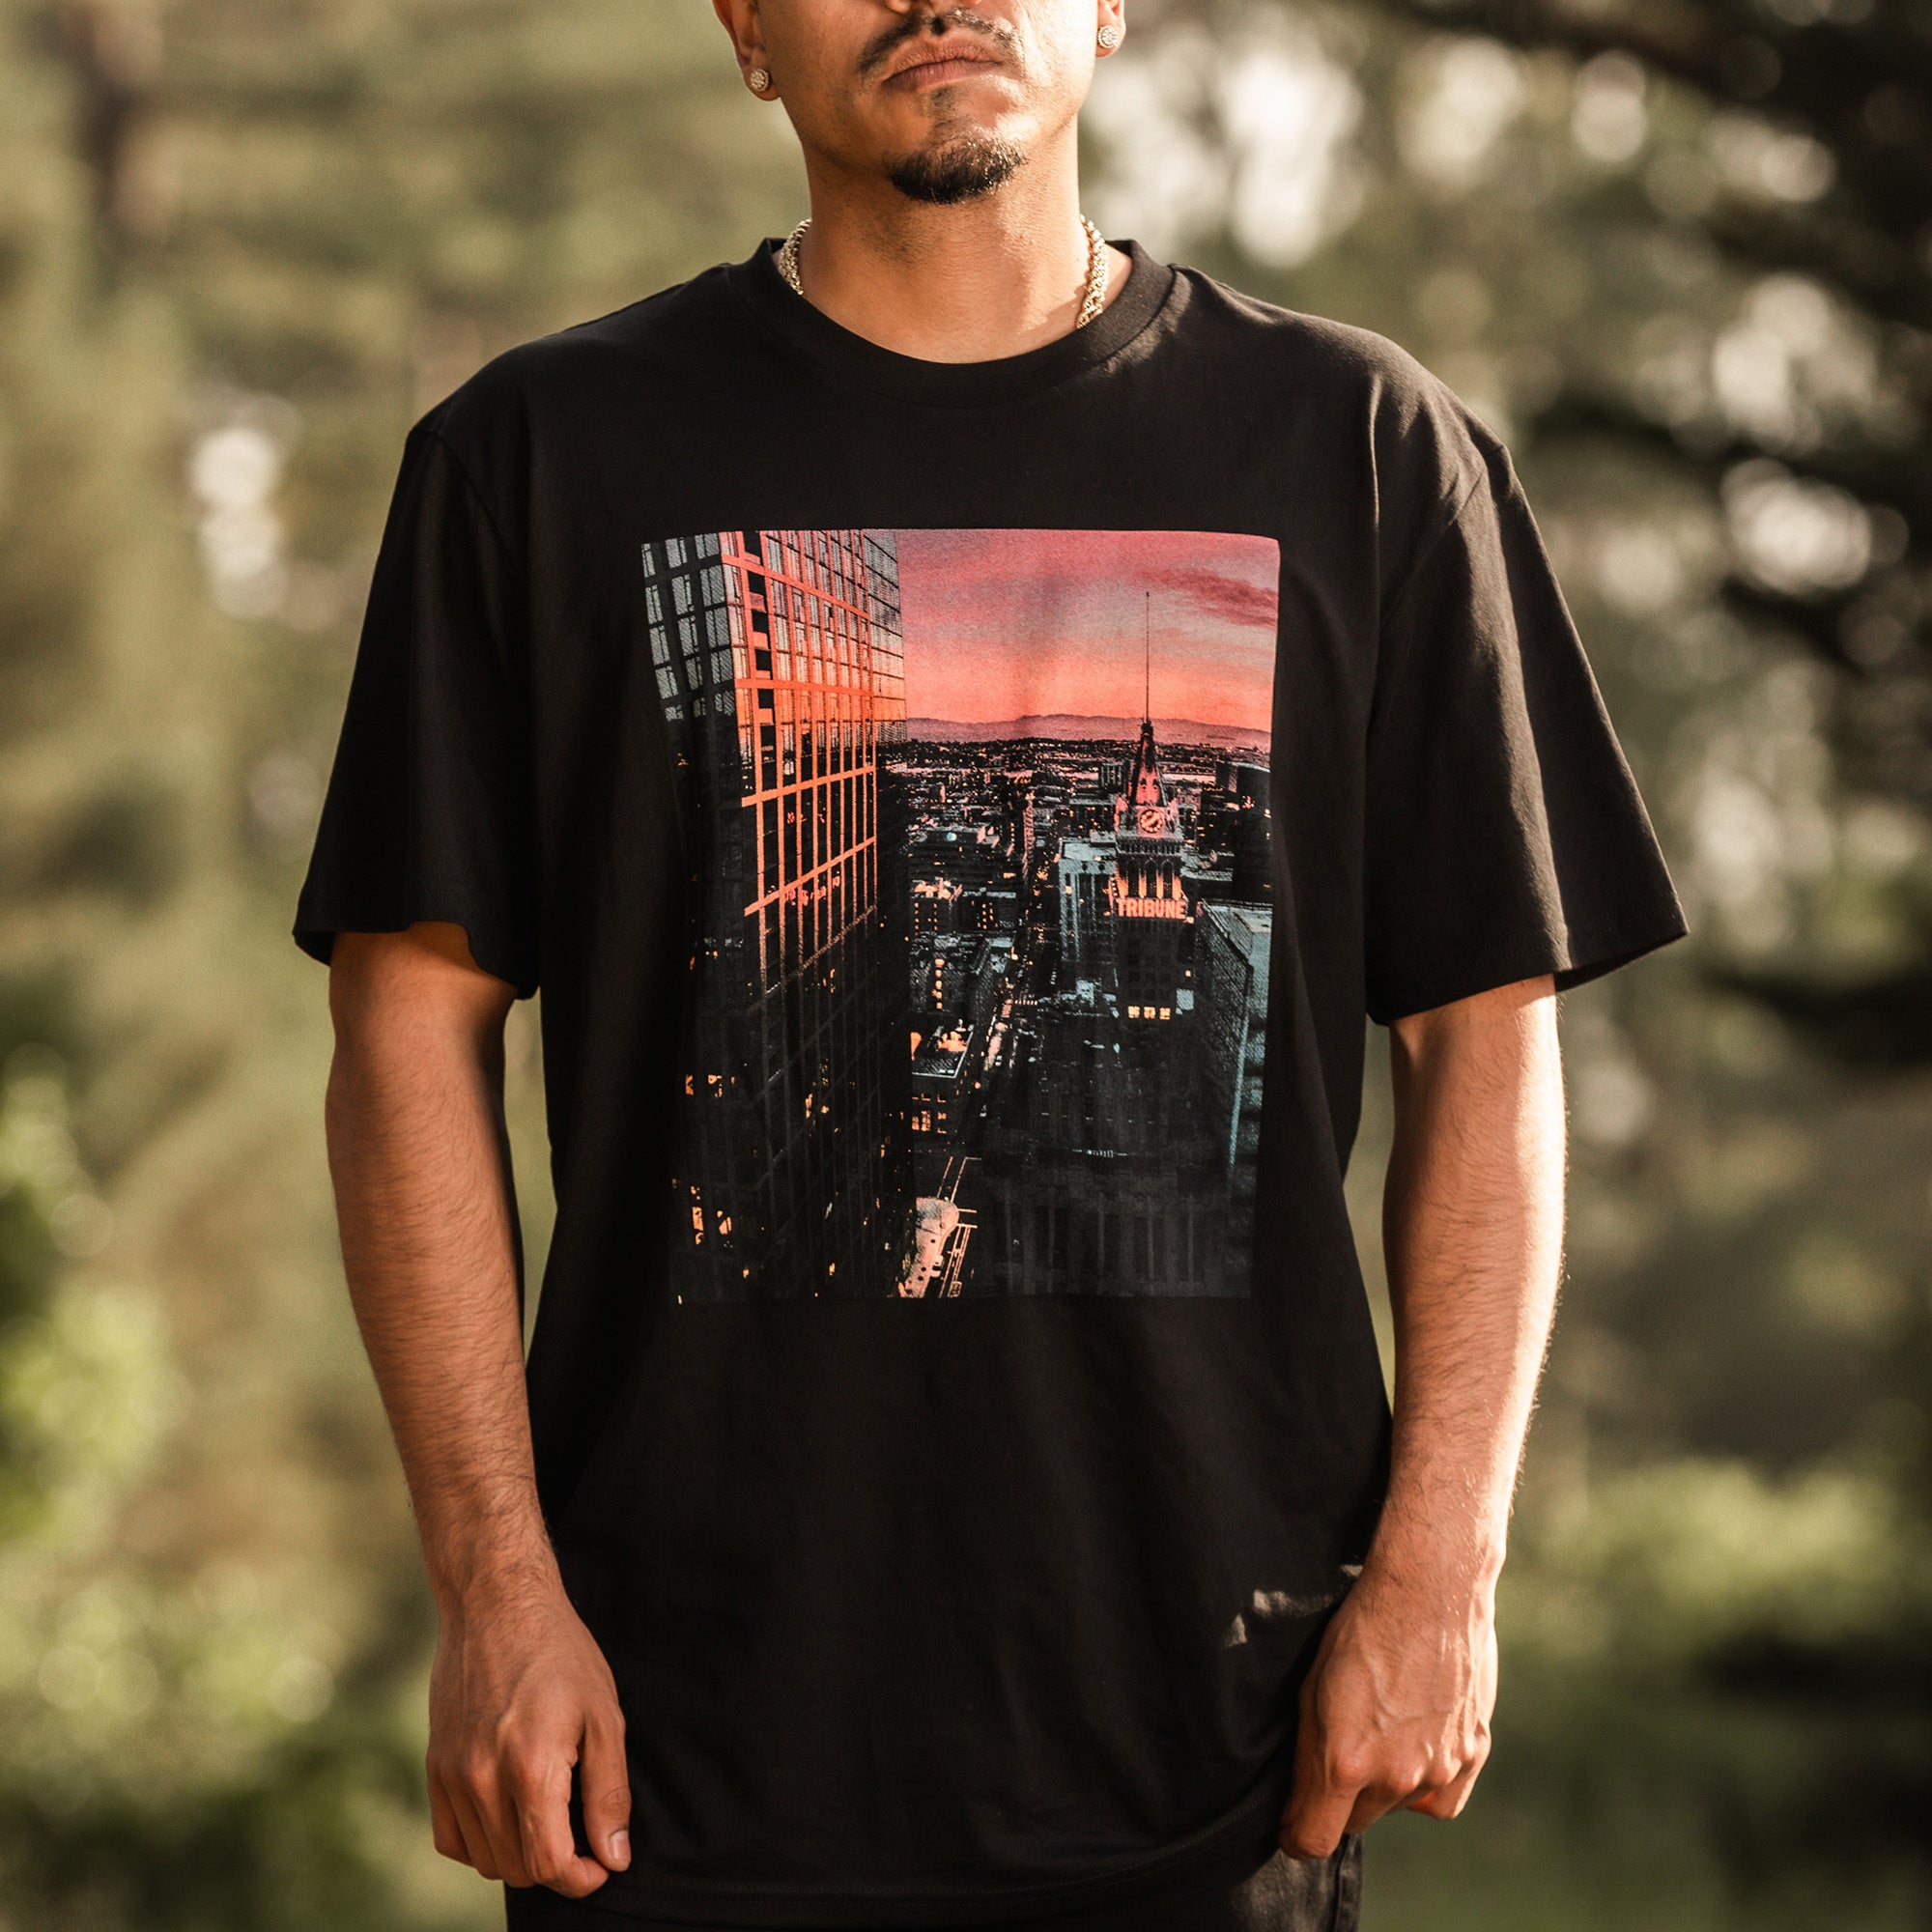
<point x="976" y="828"/>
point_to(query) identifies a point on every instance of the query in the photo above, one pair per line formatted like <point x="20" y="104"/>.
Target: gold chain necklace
<point x="1098" y="268"/>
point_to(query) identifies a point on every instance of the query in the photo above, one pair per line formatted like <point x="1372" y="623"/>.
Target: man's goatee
<point x="958" y="173"/>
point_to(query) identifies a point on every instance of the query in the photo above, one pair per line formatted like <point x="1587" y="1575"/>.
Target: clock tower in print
<point x="1154" y="925"/>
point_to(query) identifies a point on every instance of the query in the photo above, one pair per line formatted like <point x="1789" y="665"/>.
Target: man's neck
<point x="972" y="282"/>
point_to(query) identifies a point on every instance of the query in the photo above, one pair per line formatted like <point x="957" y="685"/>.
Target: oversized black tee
<point x="958" y="816"/>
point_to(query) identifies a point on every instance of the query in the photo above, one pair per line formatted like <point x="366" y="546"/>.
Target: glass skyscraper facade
<point x="780" y="665"/>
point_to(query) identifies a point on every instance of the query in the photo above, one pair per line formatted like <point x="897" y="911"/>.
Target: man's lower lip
<point x="937" y="73"/>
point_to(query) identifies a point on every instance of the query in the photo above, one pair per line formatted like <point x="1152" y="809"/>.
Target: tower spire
<point x="1146" y="662"/>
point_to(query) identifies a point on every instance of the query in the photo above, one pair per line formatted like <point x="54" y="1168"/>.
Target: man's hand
<point x="1395" y="1713"/>
<point x="520" y="1693"/>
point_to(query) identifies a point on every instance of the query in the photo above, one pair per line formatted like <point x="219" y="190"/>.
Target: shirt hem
<point x="1244" y="1838"/>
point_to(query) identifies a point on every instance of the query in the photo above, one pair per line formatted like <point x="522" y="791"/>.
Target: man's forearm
<point x="428" y="1228"/>
<point x="1472" y="1233"/>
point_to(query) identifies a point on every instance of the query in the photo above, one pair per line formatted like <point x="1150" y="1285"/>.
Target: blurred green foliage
<point x="242" y="247"/>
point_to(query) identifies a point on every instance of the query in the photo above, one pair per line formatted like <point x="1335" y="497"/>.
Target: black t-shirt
<point x="958" y="815"/>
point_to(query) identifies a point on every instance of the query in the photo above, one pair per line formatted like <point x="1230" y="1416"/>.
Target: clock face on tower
<point x="1150" y="819"/>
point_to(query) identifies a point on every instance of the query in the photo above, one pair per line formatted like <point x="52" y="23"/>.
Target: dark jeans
<point x="1285" y="1895"/>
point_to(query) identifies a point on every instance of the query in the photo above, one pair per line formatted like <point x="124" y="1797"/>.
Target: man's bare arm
<point x="1396" y="1710"/>
<point x="519" y="1691"/>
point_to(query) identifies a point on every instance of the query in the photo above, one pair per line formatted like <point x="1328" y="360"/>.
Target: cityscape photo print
<point x="978" y="836"/>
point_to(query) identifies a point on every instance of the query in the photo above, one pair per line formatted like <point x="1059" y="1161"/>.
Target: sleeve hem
<point x="317" y="938"/>
<point x="1570" y="960"/>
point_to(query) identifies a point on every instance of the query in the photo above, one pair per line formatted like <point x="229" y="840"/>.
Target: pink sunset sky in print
<point x="1006" y="624"/>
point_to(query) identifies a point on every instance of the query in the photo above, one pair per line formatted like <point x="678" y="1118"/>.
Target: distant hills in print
<point x="1069" y="726"/>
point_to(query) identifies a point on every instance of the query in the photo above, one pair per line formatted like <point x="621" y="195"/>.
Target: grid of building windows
<point x="1236" y="942"/>
<point x="780" y="665"/>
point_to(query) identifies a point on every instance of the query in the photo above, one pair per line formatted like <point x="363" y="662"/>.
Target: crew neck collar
<point x="853" y="360"/>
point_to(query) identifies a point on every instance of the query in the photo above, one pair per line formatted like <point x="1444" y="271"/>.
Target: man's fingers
<point x="1313" y="1830"/>
<point x="1336" y="1793"/>
<point x="471" y="1821"/>
<point x="1321" y="1798"/>
<point x="1375" y="1801"/>
<point x="605" y="1780"/>
<point x="487" y="1785"/>
<point x="1447" y="1801"/>
<point x="445" y="1830"/>
<point x="541" y="1786"/>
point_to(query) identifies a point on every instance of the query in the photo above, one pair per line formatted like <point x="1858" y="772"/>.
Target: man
<point x="962" y="720"/>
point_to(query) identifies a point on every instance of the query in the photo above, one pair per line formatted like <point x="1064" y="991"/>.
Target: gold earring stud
<point x="759" y="79"/>
<point x="1109" y="37"/>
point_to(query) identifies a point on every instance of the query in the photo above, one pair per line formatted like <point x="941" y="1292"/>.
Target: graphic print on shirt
<point x="976" y="828"/>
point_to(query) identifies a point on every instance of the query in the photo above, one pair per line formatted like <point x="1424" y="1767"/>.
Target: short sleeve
<point x="429" y="811"/>
<point x="1504" y="835"/>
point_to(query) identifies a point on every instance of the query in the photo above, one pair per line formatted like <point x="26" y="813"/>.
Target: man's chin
<point x="956" y="170"/>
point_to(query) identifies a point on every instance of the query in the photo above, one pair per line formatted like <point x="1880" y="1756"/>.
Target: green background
<point x="1676" y="255"/>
